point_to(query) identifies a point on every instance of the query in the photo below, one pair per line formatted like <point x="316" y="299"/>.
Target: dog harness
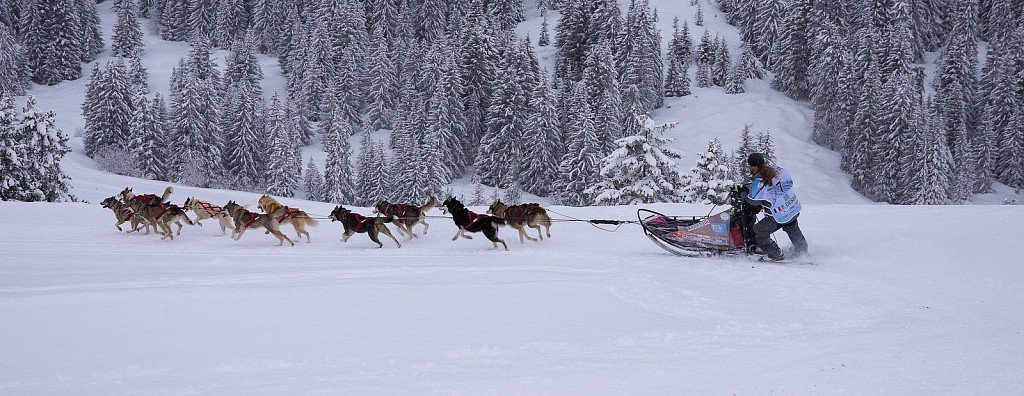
<point x="473" y="217"/>
<point x="287" y="214"/>
<point x="146" y="198"/>
<point x="252" y="219"/>
<point x="164" y="208"/>
<point x="127" y="213"/>
<point x="360" y="221"/>
<point x="519" y="212"/>
<point x="211" y="209"/>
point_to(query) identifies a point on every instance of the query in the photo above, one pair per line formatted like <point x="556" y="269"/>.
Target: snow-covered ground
<point x="899" y="300"/>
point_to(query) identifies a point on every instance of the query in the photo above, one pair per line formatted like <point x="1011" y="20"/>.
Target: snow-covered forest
<point x="922" y="98"/>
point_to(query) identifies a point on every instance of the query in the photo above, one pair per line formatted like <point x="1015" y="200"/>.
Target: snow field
<point x="899" y="300"/>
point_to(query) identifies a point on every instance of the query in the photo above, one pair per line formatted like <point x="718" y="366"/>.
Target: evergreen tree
<point x="894" y="147"/>
<point x="314" y="182"/>
<point x="860" y="160"/>
<point x="739" y="157"/>
<point x="545" y="39"/>
<point x="244" y="131"/>
<point x="383" y="83"/>
<point x="749" y="63"/>
<point x="54" y="43"/>
<point x="149" y="146"/>
<point x="544" y="136"/>
<point x="723" y="63"/>
<point x="792" y="55"/>
<point x="338" y="181"/>
<point x="766" y="146"/>
<point x="90" y="32"/>
<point x="127" y="41"/>
<point x="699" y="18"/>
<point x="12" y="63"/>
<point x="281" y="177"/>
<point x="16" y="184"/>
<point x="830" y="87"/>
<point x="446" y="121"/>
<point x="108" y="109"/>
<point x="45" y="146"/>
<point x="506" y="121"/>
<point x="737" y="77"/>
<point x="603" y="97"/>
<point x="709" y="182"/>
<point x="579" y="169"/>
<point x="931" y="177"/>
<point x="764" y="31"/>
<point x="371" y="173"/>
<point x="197" y="143"/>
<point x="641" y="169"/>
<point x="955" y="79"/>
<point x="1012" y="174"/>
<point x="174" y="20"/>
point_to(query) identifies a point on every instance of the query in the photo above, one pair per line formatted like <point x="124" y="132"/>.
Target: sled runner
<point x="727" y="232"/>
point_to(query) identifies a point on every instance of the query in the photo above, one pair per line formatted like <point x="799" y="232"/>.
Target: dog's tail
<point x="167" y="194"/>
<point x="309" y="221"/>
<point x="429" y="205"/>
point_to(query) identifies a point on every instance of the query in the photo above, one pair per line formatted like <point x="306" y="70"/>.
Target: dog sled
<point x="725" y="233"/>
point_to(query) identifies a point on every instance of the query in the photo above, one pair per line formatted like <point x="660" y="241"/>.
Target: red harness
<point x="165" y="209"/>
<point x="211" y="209"/>
<point x="287" y="214"/>
<point x="519" y="212"/>
<point x="473" y="217"/>
<point x="252" y="219"/>
<point x="146" y="198"/>
<point x="127" y="213"/>
<point x="360" y="219"/>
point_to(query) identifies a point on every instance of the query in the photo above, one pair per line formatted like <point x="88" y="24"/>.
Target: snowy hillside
<point x="899" y="300"/>
<point x="706" y="114"/>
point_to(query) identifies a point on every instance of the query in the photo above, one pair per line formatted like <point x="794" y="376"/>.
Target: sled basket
<point x="692" y="236"/>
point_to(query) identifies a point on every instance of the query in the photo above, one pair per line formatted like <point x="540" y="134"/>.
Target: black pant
<point x="763" y="234"/>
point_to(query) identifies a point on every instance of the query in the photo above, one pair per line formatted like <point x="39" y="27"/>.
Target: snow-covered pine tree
<point x="930" y="178"/>
<point x="830" y="87"/>
<point x="314" y="182"/>
<point x="383" y="82"/>
<point x="698" y="19"/>
<point x="737" y="78"/>
<point x="338" y="179"/>
<point x="506" y="121"/>
<point x="108" y="118"/>
<point x="200" y="20"/>
<point x="897" y="132"/>
<point x="740" y="173"/>
<point x="544" y="39"/>
<point x="54" y="41"/>
<point x="90" y="32"/>
<point x="766" y="146"/>
<point x="231" y="21"/>
<point x="709" y="181"/>
<point x="197" y="146"/>
<point x="241" y="65"/>
<point x="138" y="77"/>
<point x="765" y="28"/>
<point x="446" y="120"/>
<point x="46" y="146"/>
<point x="318" y="71"/>
<point x="281" y="180"/>
<point x="860" y="159"/>
<point x="244" y="131"/>
<point x="749" y="62"/>
<point x="603" y="97"/>
<point x="544" y="138"/>
<point x="639" y="59"/>
<point x="1012" y="173"/>
<point x="641" y="169"/>
<point x="148" y="146"/>
<point x="792" y="53"/>
<point x="479" y="61"/>
<point x="677" y="79"/>
<point x="955" y="78"/>
<point x="580" y="167"/>
<point x="12" y="62"/>
<point x="16" y="184"/>
<point x="174" y="20"/>
<point x="127" y="40"/>
<point x="723" y="63"/>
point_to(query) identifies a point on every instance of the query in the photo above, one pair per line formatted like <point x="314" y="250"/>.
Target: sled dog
<point x="285" y="215"/>
<point x="205" y="210"/>
<point x="123" y="213"/>
<point x="467" y="221"/>
<point x="244" y="219"/>
<point x="405" y="216"/>
<point x="521" y="216"/>
<point x="357" y="223"/>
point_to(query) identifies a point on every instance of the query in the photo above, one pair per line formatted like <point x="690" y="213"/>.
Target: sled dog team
<point x="151" y="213"/>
